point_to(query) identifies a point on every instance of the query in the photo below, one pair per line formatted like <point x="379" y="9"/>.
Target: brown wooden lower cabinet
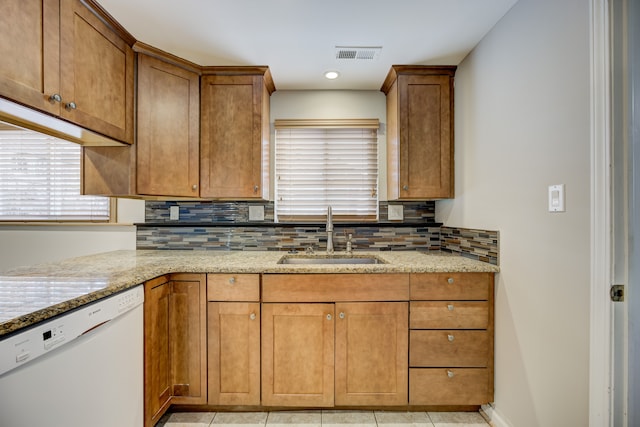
<point x="235" y="341"/>
<point x="234" y="353"/>
<point x="371" y="354"/>
<point x="449" y="386"/>
<point x="453" y="348"/>
<point x="298" y="355"/>
<point x="175" y="343"/>
<point x="451" y="339"/>
<point x="347" y="354"/>
<point x="157" y="372"/>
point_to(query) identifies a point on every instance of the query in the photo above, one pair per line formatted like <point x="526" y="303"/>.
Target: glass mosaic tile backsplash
<point x="216" y="225"/>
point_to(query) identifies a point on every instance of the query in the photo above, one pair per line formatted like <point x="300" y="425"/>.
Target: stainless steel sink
<point x="332" y="259"/>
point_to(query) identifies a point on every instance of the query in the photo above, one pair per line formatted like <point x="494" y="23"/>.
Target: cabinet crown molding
<point x="424" y="70"/>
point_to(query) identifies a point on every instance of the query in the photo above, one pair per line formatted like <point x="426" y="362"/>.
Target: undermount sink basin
<point x="330" y="259"/>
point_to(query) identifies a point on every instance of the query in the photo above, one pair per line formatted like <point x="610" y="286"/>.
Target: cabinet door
<point x="371" y="354"/>
<point x="234" y="353"/>
<point x="298" y="355"/>
<point x="29" y="48"/>
<point x="187" y="336"/>
<point x="426" y="145"/>
<point x="96" y="73"/>
<point x="168" y="128"/>
<point x="235" y="117"/>
<point x="157" y="378"/>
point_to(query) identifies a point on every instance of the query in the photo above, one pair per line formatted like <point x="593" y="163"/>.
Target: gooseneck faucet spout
<point x="329" y="231"/>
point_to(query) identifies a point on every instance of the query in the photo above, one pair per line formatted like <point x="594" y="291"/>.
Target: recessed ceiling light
<point x="331" y="75"/>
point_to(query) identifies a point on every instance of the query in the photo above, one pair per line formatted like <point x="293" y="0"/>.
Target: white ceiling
<point x="297" y="38"/>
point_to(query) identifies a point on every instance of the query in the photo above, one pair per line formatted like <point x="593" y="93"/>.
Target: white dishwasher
<point x="83" y="368"/>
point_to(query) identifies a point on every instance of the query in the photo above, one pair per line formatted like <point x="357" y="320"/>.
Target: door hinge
<point x="617" y="293"/>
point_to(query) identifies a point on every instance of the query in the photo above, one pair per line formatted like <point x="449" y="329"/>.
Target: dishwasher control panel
<point x="18" y="349"/>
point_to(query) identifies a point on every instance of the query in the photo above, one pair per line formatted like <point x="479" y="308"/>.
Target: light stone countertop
<point x="31" y="294"/>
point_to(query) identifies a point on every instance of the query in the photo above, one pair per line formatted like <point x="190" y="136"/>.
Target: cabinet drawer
<point x="448" y="315"/>
<point x="453" y="386"/>
<point x="334" y="287"/>
<point x="450" y="348"/>
<point x="451" y="286"/>
<point x="233" y="287"/>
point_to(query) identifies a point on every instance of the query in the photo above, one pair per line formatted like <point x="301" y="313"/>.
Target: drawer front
<point x="451" y="286"/>
<point x="233" y="287"/>
<point x="451" y="348"/>
<point x="449" y="315"/>
<point x="450" y="386"/>
<point x="335" y="287"/>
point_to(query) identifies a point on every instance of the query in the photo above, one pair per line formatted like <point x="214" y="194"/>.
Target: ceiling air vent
<point x="358" y="52"/>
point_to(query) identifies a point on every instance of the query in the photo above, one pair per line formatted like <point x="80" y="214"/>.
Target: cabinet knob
<point x="70" y="106"/>
<point x="255" y="189"/>
<point x="194" y="187"/>
<point x="450" y="280"/>
<point x="252" y="316"/>
<point x="450" y="337"/>
<point x="405" y="187"/>
<point x="55" y="98"/>
<point x="328" y="316"/>
<point x="450" y="307"/>
<point x="342" y="315"/>
<point x="450" y="374"/>
<point x="232" y="280"/>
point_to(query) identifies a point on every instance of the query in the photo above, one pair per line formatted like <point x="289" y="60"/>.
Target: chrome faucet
<point x="329" y="231"/>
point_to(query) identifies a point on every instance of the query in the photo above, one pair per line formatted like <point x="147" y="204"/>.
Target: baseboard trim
<point x="493" y="416"/>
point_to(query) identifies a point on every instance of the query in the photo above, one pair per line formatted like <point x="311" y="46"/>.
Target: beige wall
<point x="522" y="124"/>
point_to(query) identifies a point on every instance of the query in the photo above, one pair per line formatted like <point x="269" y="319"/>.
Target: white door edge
<point x="600" y="343"/>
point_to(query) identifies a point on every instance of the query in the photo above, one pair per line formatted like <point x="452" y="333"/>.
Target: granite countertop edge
<point x="101" y="275"/>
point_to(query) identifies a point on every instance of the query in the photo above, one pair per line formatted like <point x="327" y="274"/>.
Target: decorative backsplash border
<point x="285" y="238"/>
<point x="225" y="226"/>
<point x="215" y="211"/>
<point x="482" y="245"/>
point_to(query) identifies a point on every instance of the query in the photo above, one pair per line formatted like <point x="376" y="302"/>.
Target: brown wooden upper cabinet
<point x="58" y="56"/>
<point x="168" y="131"/>
<point x="234" y="139"/>
<point x="419" y="132"/>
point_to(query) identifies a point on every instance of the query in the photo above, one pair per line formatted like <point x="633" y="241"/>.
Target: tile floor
<point x="323" y="418"/>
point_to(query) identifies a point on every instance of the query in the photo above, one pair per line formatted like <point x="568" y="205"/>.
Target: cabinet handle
<point x="194" y="187"/>
<point x="328" y="317"/>
<point x="55" y="98"/>
<point x="252" y="316"/>
<point x="450" y="307"/>
<point x="70" y="106"/>
<point x="450" y="280"/>
<point x="450" y="337"/>
<point x="450" y="374"/>
<point x="255" y="189"/>
<point x="342" y="315"/>
<point x="232" y="280"/>
<point x="405" y="187"/>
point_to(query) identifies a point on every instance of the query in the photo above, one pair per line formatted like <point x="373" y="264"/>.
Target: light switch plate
<point x="556" y="198"/>
<point x="174" y="213"/>
<point x="395" y="212"/>
<point x="256" y="213"/>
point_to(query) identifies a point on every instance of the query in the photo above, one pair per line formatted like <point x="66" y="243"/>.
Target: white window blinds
<point x="321" y="163"/>
<point x="40" y="180"/>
